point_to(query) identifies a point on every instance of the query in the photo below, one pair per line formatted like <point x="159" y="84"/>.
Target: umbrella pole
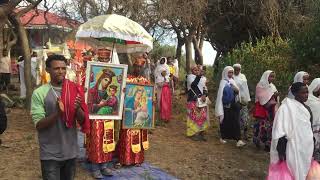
<point x="112" y="51"/>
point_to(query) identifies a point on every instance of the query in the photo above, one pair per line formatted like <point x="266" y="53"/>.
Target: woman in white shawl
<point x="164" y="95"/>
<point x="267" y="99"/>
<point x="314" y="104"/>
<point x="300" y="76"/>
<point x="292" y="137"/>
<point x="161" y="76"/>
<point x="244" y="98"/>
<point x="227" y="109"/>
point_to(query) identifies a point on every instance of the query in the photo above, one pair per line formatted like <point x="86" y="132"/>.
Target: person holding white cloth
<point x="292" y="136"/>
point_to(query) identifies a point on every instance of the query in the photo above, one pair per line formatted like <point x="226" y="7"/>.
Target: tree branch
<point x="13" y="41"/>
<point x="33" y="16"/>
<point x="28" y="8"/>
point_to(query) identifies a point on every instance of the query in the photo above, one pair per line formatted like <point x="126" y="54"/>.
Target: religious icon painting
<point x="105" y="83"/>
<point x="138" y="107"/>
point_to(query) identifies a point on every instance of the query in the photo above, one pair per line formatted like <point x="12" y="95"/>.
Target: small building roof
<point x="40" y="19"/>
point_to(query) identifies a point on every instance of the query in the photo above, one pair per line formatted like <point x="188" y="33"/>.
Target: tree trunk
<point x="197" y="50"/>
<point x="130" y="64"/>
<point x="24" y="43"/>
<point x="110" y="7"/>
<point x="1" y="37"/>
<point x="179" y="49"/>
<point x="188" y="53"/>
<point x="216" y="59"/>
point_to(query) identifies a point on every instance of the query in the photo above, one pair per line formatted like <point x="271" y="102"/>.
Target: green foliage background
<point x="268" y="54"/>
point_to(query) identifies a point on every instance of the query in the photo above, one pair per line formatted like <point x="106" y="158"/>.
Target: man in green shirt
<point x="58" y="143"/>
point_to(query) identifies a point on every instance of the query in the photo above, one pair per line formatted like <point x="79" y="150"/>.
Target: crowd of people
<point x="288" y="129"/>
<point x="107" y="143"/>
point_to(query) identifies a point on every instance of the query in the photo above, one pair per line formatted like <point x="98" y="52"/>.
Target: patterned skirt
<point x="197" y="119"/>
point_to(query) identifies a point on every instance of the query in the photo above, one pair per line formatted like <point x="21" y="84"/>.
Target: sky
<point x="209" y="53"/>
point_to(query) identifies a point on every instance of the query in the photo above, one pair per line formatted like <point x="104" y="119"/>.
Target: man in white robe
<point x="244" y="98"/>
<point x="292" y="123"/>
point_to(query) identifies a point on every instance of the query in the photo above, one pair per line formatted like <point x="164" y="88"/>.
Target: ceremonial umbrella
<point x="116" y="31"/>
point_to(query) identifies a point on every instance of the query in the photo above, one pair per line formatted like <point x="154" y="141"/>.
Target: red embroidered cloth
<point x="70" y="90"/>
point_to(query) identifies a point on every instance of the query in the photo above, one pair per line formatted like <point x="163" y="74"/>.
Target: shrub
<point x="306" y="47"/>
<point x="267" y="54"/>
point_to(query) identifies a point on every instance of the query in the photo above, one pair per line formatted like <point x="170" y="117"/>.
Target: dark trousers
<point x="58" y="170"/>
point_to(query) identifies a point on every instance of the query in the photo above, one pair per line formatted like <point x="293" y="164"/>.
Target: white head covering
<point x="264" y="89"/>
<point x="314" y="86"/>
<point x="224" y="80"/>
<point x="237" y="66"/>
<point x="241" y="82"/>
<point x="159" y="69"/>
<point x="314" y="103"/>
<point x="299" y="76"/>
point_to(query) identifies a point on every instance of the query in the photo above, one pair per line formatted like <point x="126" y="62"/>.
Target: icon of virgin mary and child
<point x="138" y="104"/>
<point x="102" y="99"/>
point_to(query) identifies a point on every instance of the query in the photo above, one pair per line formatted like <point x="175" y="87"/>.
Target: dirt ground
<point x="170" y="150"/>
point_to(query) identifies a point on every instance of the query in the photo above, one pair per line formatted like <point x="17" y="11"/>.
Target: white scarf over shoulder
<point x="264" y="89"/>
<point x="293" y="121"/>
<point x="241" y="82"/>
<point x="201" y="85"/>
<point x="314" y="104"/>
<point x="159" y="69"/>
<point x="224" y="80"/>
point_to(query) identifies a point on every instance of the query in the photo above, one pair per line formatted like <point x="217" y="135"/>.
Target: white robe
<point x="34" y="64"/>
<point x="157" y="73"/>
<point x="241" y="82"/>
<point x="293" y="121"/>
<point x="314" y="104"/>
<point x="22" y="82"/>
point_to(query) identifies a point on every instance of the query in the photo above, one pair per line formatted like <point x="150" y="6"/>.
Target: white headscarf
<point x="241" y="82"/>
<point x="224" y="80"/>
<point x="159" y="69"/>
<point x="297" y="78"/>
<point x="314" y="86"/>
<point x="264" y="89"/>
